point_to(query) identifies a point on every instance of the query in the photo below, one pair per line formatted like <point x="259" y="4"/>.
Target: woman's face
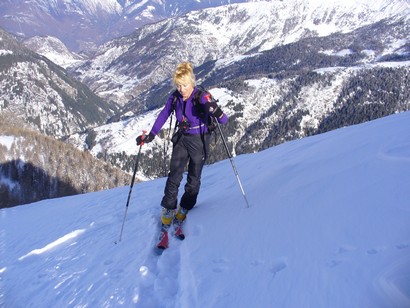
<point x="185" y="88"/>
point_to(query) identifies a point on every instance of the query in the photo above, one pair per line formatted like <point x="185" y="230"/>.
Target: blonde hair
<point x="184" y="73"/>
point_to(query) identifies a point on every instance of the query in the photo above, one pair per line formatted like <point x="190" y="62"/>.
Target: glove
<point x="213" y="109"/>
<point x="145" y="138"/>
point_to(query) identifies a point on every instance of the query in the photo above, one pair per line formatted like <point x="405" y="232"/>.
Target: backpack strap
<point x="167" y="140"/>
<point x="199" y="107"/>
<point x="174" y="101"/>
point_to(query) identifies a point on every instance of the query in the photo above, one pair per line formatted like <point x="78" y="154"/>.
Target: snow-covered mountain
<point x="125" y="67"/>
<point x="83" y="25"/>
<point x="53" y="49"/>
<point x="328" y="226"/>
<point x="311" y="84"/>
<point x="42" y="94"/>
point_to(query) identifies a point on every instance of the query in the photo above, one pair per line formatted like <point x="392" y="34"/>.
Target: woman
<point x="190" y="146"/>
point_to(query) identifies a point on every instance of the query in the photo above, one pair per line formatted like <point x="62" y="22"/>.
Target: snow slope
<point x="328" y="226"/>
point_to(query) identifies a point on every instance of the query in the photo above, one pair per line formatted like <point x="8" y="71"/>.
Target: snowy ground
<point x="328" y="226"/>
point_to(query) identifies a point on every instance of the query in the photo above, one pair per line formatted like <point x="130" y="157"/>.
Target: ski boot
<point x="177" y="222"/>
<point x="166" y="219"/>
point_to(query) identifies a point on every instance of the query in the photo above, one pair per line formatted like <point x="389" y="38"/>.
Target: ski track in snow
<point x="159" y="274"/>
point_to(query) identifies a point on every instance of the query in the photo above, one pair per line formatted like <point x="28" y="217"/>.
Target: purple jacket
<point x="198" y="125"/>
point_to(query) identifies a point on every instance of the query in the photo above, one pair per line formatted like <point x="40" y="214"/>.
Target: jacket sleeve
<point x="223" y="119"/>
<point x="163" y="116"/>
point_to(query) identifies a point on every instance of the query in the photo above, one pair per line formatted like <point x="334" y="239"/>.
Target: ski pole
<point x="132" y="183"/>
<point x="232" y="162"/>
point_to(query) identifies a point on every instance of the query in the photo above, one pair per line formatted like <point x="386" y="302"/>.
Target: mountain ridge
<point x="74" y="22"/>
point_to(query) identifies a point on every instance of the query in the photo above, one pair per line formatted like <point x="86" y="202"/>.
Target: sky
<point x="328" y="226"/>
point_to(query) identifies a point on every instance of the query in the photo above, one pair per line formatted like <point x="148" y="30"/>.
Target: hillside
<point x="35" y="167"/>
<point x="328" y="226"/>
<point x="53" y="49"/>
<point x="42" y="94"/>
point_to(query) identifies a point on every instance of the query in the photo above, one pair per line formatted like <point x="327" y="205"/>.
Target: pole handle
<point x="142" y="138"/>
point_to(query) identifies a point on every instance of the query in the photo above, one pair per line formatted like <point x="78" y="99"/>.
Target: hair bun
<point x="184" y="67"/>
<point x="184" y="72"/>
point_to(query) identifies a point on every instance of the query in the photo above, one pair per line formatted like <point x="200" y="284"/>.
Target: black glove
<point x="213" y="109"/>
<point x="145" y="138"/>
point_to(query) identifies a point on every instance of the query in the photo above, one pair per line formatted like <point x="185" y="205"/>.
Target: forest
<point x="37" y="167"/>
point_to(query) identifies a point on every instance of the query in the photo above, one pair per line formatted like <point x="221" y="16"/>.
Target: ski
<point x="163" y="242"/>
<point x="179" y="234"/>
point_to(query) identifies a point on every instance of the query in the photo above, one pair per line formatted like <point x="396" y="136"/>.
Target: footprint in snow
<point x="344" y="249"/>
<point x="334" y="263"/>
<point x="376" y="250"/>
<point x="274" y="268"/>
<point x="220" y="265"/>
<point x="277" y="267"/>
<point x="108" y="262"/>
<point x="403" y="246"/>
<point x="342" y="255"/>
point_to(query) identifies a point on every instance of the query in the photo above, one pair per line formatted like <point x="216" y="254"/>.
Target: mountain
<point x="124" y="68"/>
<point x="84" y="25"/>
<point x="38" y="94"/>
<point x="341" y="71"/>
<point x="328" y="226"/>
<point x="281" y="70"/>
<point x="42" y="94"/>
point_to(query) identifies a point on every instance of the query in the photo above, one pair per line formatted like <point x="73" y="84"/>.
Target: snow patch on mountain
<point x="54" y="50"/>
<point x="7" y="141"/>
<point x="5" y="52"/>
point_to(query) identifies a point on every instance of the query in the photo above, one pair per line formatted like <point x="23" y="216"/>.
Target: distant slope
<point x="35" y="167"/>
<point x="125" y="67"/>
<point x="83" y="25"/>
<point x="42" y="94"/>
<point x="53" y="49"/>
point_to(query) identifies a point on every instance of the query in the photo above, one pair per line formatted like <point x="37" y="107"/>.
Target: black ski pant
<point x="191" y="150"/>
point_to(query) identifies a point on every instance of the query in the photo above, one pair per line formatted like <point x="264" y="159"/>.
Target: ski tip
<point x="158" y="250"/>
<point x="180" y="237"/>
<point x="179" y="233"/>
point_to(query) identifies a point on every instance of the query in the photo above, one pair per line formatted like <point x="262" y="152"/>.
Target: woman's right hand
<point x="145" y="138"/>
